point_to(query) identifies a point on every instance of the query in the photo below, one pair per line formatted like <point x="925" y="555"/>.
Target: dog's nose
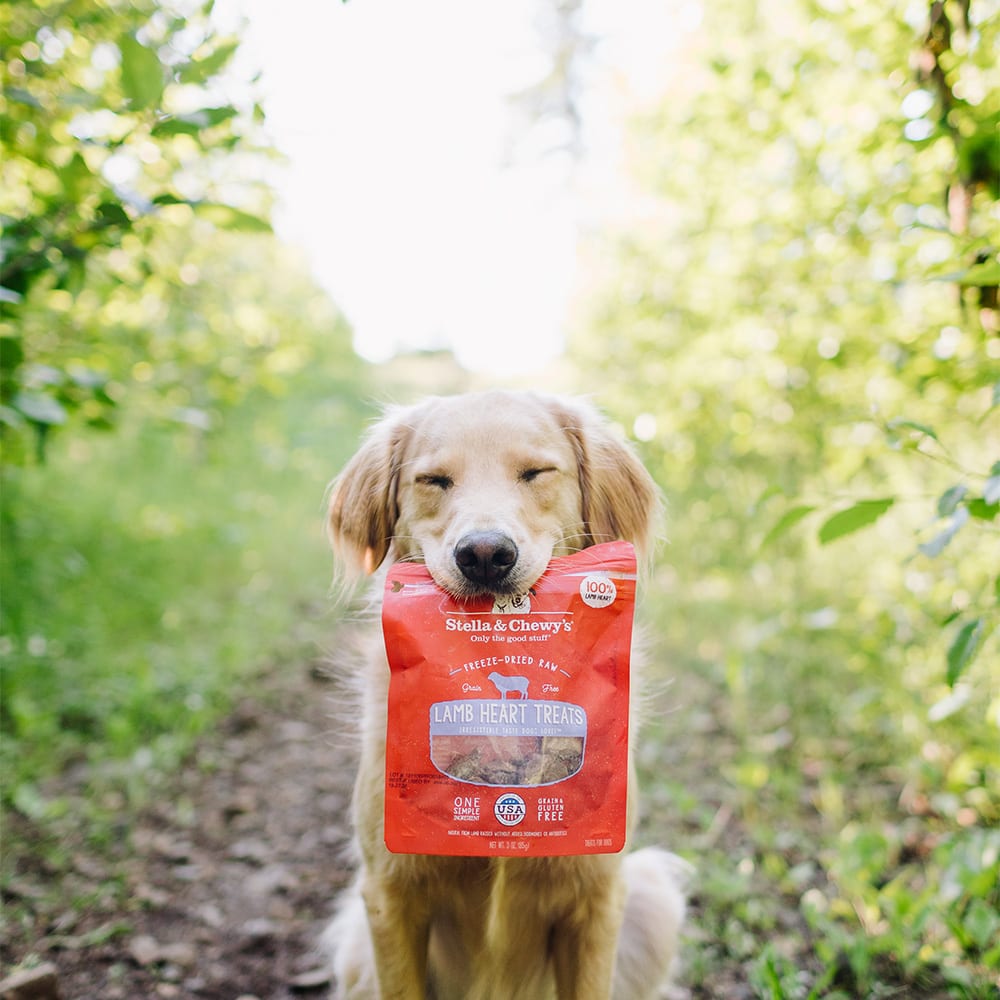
<point x="485" y="557"/>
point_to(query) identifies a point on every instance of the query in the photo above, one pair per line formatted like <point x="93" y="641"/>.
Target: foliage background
<point x="176" y="392"/>
<point x="801" y="328"/>
<point x="797" y="326"/>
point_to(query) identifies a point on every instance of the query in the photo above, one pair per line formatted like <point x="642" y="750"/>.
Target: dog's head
<point x="486" y="488"/>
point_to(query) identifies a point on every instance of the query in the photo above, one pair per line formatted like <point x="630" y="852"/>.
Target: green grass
<point x="845" y="840"/>
<point x="150" y="573"/>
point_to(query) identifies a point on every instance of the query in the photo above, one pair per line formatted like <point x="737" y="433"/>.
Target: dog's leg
<point x="583" y="943"/>
<point x="348" y="942"/>
<point x="400" y="928"/>
<point x="654" y="911"/>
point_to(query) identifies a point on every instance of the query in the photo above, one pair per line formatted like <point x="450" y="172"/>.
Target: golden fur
<point x="546" y="475"/>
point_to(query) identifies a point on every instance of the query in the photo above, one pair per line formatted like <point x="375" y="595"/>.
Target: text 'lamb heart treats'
<point x="508" y="717"/>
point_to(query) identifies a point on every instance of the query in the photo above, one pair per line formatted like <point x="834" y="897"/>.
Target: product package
<point x="508" y="721"/>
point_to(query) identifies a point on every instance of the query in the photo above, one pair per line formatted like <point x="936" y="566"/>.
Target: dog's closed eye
<point x="437" y="480"/>
<point x="530" y="475"/>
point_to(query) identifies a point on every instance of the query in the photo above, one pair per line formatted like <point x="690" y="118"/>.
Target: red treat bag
<point x="508" y="719"/>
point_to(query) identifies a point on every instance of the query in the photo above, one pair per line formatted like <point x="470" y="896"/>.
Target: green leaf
<point x="39" y="408"/>
<point x="912" y="425"/>
<point x="142" y="74"/>
<point x="981" y="922"/>
<point x="981" y="275"/>
<point x="75" y="177"/>
<point x="937" y="545"/>
<point x="87" y="378"/>
<point x="786" y="522"/>
<point x="858" y="516"/>
<point x="170" y="199"/>
<point x="41" y="375"/>
<point x="9" y="417"/>
<point x="74" y="277"/>
<point x="991" y="491"/>
<point x="11" y="353"/>
<point x="950" y="499"/>
<point x="195" y="122"/>
<point x="112" y="213"/>
<point x="963" y="648"/>
<point x="22" y="96"/>
<point x="201" y="70"/>
<point x="983" y="511"/>
<point x="227" y="217"/>
<point x="28" y="802"/>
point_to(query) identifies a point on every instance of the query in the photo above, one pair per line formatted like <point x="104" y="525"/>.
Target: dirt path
<point x="219" y="891"/>
<point x="216" y="893"/>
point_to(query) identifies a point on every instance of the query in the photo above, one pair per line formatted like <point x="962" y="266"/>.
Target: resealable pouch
<point x="508" y="719"/>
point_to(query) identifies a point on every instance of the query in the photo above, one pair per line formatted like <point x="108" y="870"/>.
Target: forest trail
<point x="220" y="889"/>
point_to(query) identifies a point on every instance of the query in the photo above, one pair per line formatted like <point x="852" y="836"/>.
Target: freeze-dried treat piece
<point x="508" y="760"/>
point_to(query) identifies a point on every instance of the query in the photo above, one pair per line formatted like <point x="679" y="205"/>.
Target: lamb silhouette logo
<point x="505" y="685"/>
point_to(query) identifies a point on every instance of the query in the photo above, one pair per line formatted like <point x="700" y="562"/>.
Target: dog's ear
<point x="619" y="498"/>
<point x="362" y="499"/>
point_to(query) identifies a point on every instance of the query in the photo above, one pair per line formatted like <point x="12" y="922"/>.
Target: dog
<point x="485" y="489"/>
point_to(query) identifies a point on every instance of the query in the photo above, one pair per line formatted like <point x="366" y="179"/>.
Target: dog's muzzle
<point x="485" y="558"/>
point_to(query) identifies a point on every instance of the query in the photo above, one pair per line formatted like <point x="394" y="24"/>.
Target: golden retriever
<point x="485" y="489"/>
